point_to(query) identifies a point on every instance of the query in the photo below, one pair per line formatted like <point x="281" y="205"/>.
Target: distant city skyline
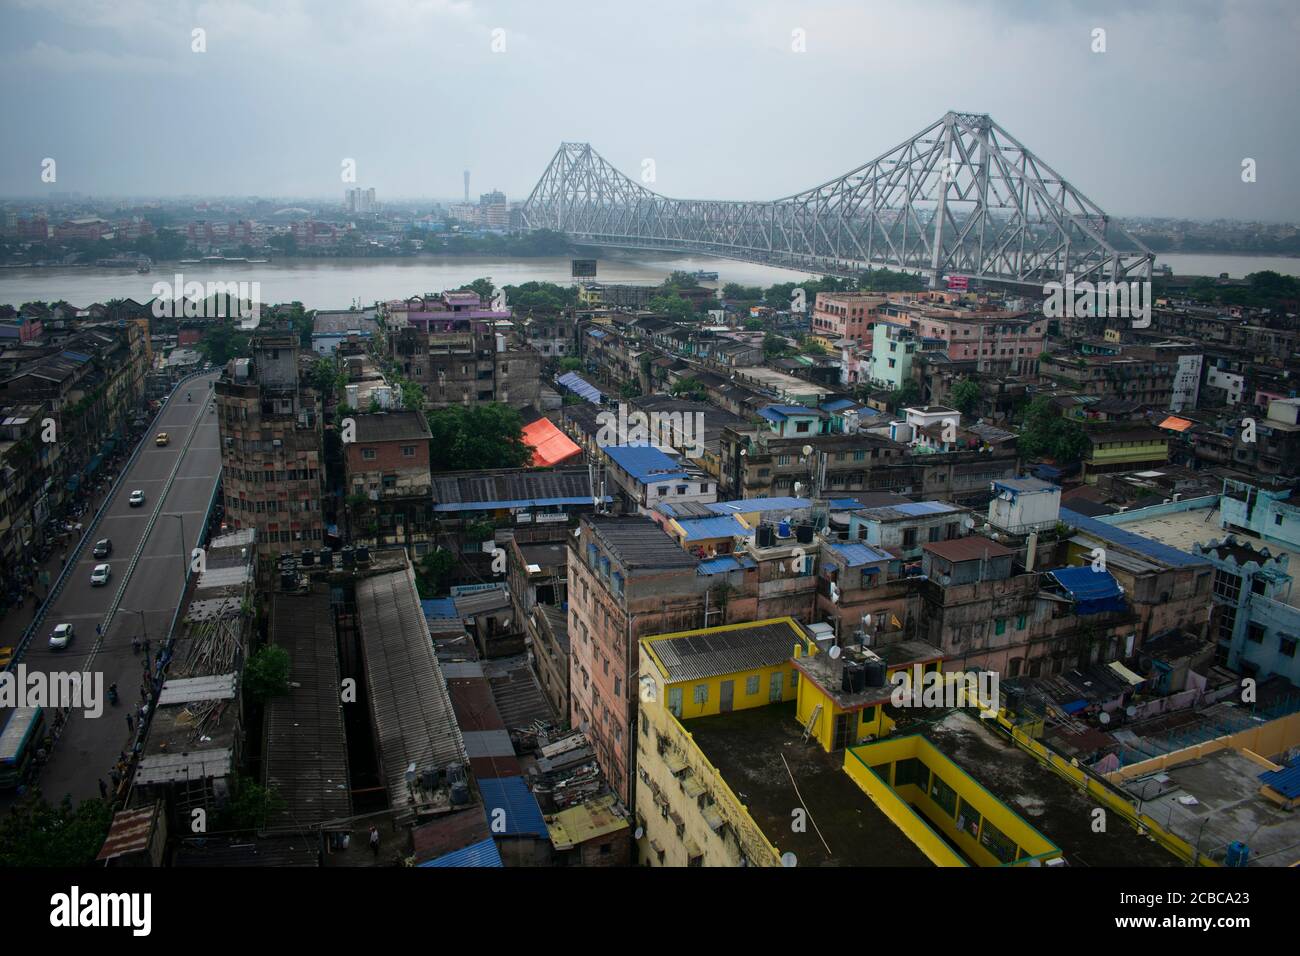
<point x="736" y="101"/>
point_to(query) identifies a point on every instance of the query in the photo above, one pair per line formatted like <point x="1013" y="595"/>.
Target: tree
<point x="483" y="287"/>
<point x="674" y="307"/>
<point x="966" y="396"/>
<point x="223" y="342"/>
<point x="250" y="805"/>
<point x="571" y="364"/>
<point x="325" y="377"/>
<point x="754" y="325"/>
<point x="432" y="572"/>
<point x="774" y="345"/>
<point x="267" y="673"/>
<point x="691" y="388"/>
<point x="908" y="394"/>
<point x="35" y="833"/>
<point x="1044" y="433"/>
<point x="485" y="436"/>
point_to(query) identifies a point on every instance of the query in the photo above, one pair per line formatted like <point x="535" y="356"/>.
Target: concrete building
<point x="272" y="446"/>
<point x="846" y="315"/>
<point x="388" y="480"/>
<point x="627" y="579"/>
<point x="891" y="355"/>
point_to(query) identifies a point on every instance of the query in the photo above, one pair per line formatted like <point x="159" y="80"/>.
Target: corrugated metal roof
<point x="580" y="386"/>
<point x="413" y="717"/>
<point x="757" y="505"/>
<point x="722" y="526"/>
<point x="1285" y="781"/>
<point x="306" y="747"/>
<point x="173" y="768"/>
<point x="522" y="816"/>
<point x="645" y="463"/>
<point x="857" y="554"/>
<point x="483" y="853"/>
<point x="129" y="832"/>
<point x="488" y="743"/>
<point x="725" y="563"/>
<point x="1134" y="542"/>
<point x="187" y="690"/>
<point x="712" y="652"/>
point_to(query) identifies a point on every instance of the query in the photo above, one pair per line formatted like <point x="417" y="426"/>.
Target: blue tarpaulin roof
<point x="580" y="386"/>
<point x="779" y="413"/>
<point x="483" y="853"/>
<point x="645" y="463"/>
<point x="1093" y="591"/>
<point x="838" y="405"/>
<point x="522" y="815"/>
<point x="1285" y="781"/>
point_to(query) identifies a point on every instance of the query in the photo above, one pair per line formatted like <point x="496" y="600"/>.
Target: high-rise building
<point x="271" y="446"/>
<point x="362" y="201"/>
<point x="467" y="185"/>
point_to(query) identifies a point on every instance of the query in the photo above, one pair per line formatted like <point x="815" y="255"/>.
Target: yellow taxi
<point x="162" y="439"/>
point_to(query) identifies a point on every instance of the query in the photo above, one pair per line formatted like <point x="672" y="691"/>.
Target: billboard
<point x="584" y="268"/>
<point x="957" y="283"/>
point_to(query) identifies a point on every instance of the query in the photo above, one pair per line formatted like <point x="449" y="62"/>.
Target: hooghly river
<point x="336" y="284"/>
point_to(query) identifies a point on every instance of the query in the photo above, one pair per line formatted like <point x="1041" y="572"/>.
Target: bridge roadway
<point x="147" y="583"/>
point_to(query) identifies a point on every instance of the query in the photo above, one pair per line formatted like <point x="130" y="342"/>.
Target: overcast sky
<point x="712" y="92"/>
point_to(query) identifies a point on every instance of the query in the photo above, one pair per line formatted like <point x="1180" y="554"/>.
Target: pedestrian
<point x="374" y="840"/>
<point x="135" y="645"/>
<point x="121" y="757"/>
<point x="103" y="789"/>
<point x="116" y="777"/>
<point x="63" y="561"/>
<point x="130" y="723"/>
<point x="148" y="643"/>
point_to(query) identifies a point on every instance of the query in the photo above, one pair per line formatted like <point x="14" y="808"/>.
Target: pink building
<point x="846" y="315"/>
<point x="1004" y="343"/>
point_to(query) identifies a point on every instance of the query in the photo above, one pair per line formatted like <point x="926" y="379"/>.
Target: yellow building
<point x="945" y="811"/>
<point x="1124" y="449"/>
<point x="839" y="716"/>
<point x="686" y="813"/>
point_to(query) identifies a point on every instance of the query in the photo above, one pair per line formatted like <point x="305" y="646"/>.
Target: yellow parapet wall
<point x="929" y="798"/>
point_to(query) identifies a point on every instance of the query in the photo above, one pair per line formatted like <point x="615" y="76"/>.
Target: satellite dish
<point x="1104" y="717"/>
<point x="835" y="652"/>
<point x="640" y="832"/>
<point x="1131" y="710"/>
<point x="807" y="450"/>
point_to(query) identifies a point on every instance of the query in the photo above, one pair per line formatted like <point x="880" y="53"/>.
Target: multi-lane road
<point x="148" y="578"/>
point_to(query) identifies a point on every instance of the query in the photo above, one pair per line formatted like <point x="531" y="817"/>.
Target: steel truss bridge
<point x="960" y="198"/>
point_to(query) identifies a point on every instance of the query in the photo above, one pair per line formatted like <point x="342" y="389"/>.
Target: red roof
<point x="550" y="445"/>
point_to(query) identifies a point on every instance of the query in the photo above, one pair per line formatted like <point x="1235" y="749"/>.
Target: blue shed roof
<point x="522" y="815"/>
<point x="1285" y="781"/>
<point x="724" y="563"/>
<point x="645" y="463"/>
<point x="838" y="404"/>
<point x="857" y="554"/>
<point x="1134" y="542"/>
<point x="755" y="505"/>
<point x="1093" y="591"/>
<point x="580" y="386"/>
<point x="439" y="607"/>
<point x="722" y="526"/>
<point x="513" y="503"/>
<point x="779" y="413"/>
<point x="483" y="853"/>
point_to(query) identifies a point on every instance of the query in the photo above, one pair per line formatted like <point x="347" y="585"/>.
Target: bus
<point x="24" y="728"/>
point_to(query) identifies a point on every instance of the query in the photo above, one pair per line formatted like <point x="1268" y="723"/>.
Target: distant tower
<point x="467" y="185"/>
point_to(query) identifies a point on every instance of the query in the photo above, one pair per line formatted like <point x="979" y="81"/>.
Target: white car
<point x="100" y="574"/>
<point x="61" y="637"/>
<point x="137" y="499"/>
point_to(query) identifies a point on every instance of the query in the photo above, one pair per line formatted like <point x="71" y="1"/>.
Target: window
<point x="751" y="685"/>
<point x="1000" y="626"/>
<point x="368" y="454"/>
<point x="944" y="795"/>
<point x="408" y="451"/>
<point x="1286" y="646"/>
<point x="1255" y="633"/>
<point x="701" y="693"/>
<point x="1020" y="623"/>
